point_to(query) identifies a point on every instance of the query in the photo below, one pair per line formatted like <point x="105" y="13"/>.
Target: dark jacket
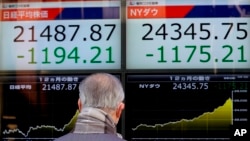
<point x="89" y="137"/>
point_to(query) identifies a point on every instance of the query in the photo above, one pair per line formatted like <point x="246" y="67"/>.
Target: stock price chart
<point x="38" y="107"/>
<point x="186" y="107"/>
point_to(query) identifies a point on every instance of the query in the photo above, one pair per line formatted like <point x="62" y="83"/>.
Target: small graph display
<point x="186" y="107"/>
<point x="38" y="107"/>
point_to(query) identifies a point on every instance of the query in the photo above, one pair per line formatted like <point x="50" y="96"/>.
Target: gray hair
<point x="101" y="90"/>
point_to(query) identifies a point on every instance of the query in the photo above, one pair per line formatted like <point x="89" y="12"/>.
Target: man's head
<point x="103" y="91"/>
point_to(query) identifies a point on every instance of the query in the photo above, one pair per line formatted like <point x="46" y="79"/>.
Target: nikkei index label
<point x="61" y="35"/>
<point x="164" y="34"/>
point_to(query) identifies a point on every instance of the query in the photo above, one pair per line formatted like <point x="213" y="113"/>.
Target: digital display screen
<point x="61" y="35"/>
<point x="182" y="34"/>
<point x="38" y="107"/>
<point x="186" y="106"/>
<point x="184" y="66"/>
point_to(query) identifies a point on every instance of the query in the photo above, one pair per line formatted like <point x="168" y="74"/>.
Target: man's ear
<point x="79" y="104"/>
<point x="119" y="110"/>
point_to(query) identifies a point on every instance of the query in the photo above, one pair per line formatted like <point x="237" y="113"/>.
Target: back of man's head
<point x="101" y="90"/>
